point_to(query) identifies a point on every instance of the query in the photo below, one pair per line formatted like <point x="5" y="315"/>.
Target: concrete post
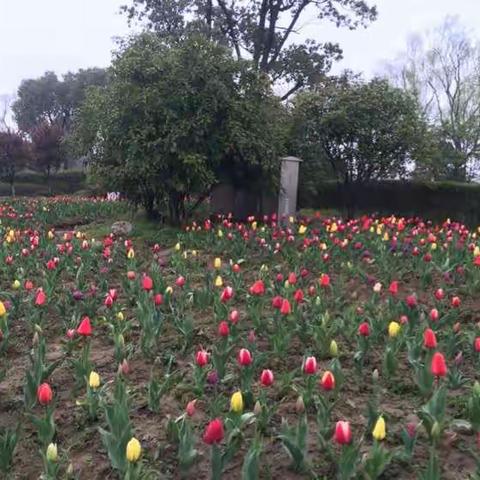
<point x="287" y="199"/>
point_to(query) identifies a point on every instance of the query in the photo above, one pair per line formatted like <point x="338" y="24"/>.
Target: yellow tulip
<point x="177" y="247"/>
<point x="476" y="252"/>
<point x="386" y="237"/>
<point x="217" y="263"/>
<point x="130" y="254"/>
<point x="50" y="235"/>
<point x="169" y="290"/>
<point x="393" y="329"/>
<point x="236" y="402"/>
<point x="379" y="431"/>
<point x="433" y="246"/>
<point x="291" y="219"/>
<point x="52" y="452"/>
<point x="120" y="316"/>
<point x="134" y="450"/>
<point x="254" y="225"/>
<point x="218" y="281"/>
<point x="220" y="234"/>
<point x="3" y="310"/>
<point x="302" y="229"/>
<point x="94" y="380"/>
<point x="194" y="253"/>
<point x="16" y="285"/>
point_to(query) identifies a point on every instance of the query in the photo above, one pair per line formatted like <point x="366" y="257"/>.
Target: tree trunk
<point x="176" y="208"/>
<point x="12" y="188"/>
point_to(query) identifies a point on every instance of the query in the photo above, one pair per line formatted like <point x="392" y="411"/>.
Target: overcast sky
<point x="63" y="35"/>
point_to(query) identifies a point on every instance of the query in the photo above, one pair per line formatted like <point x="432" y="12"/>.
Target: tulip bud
<point x="257" y="409"/>
<point x="52" y="452"/>
<point x="300" y="405"/>
<point x="333" y="348"/>
<point x="190" y="409"/>
<point x="375" y="375"/>
<point x="436" y="430"/>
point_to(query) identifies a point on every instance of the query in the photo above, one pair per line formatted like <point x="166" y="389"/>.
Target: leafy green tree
<point x="358" y="131"/>
<point x="175" y="119"/>
<point x="49" y="99"/>
<point x="259" y="30"/>
<point x="14" y="155"/>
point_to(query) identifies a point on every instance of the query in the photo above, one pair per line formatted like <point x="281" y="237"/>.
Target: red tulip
<point x="343" y="434"/>
<point x="434" y="315"/>
<point x="310" y="366"/>
<point x="158" y="299"/>
<point x="190" y="408"/>
<point x="226" y="294"/>
<point x="277" y="302"/>
<point x="124" y="367"/>
<point x="180" y="282"/>
<point x="311" y="291"/>
<point x="364" y="329"/>
<point x="438" y="366"/>
<point x="285" y="309"/>
<point x="244" y="357"/>
<point x="223" y="329"/>
<point x="429" y="339"/>
<point x="266" y="378"/>
<point x="393" y="288"/>
<point x="411" y="301"/>
<point x="40" y="297"/>
<point x="292" y="278"/>
<point x="324" y="280"/>
<point x="131" y="275"/>
<point x="234" y="316"/>
<point x="327" y="381"/>
<point x="147" y="283"/>
<point x="44" y="394"/>
<point x="298" y="296"/>
<point x="214" y="432"/>
<point x="279" y="277"/>
<point x="476" y="344"/>
<point x="201" y="358"/>
<point x="258" y="288"/>
<point x="108" y="301"/>
<point x="403" y="320"/>
<point x="85" y="328"/>
<point x="455" y="302"/>
<point x="439" y="294"/>
<point x="236" y="268"/>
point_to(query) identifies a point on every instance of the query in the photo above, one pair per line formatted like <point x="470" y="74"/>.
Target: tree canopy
<point x="360" y="131"/>
<point x="53" y="100"/>
<point x="173" y="119"/>
<point x="259" y="30"/>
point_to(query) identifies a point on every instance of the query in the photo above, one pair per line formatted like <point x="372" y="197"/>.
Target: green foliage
<point x="119" y="431"/>
<point x="48" y="99"/>
<point x="8" y="442"/>
<point x="263" y="29"/>
<point x="357" y="131"/>
<point x="174" y="119"/>
<point x="14" y="153"/>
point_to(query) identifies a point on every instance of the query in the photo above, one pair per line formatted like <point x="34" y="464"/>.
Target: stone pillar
<point x="287" y="198"/>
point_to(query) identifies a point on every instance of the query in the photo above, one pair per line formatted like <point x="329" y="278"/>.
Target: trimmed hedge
<point x="436" y="201"/>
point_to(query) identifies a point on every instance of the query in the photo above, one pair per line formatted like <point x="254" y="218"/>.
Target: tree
<point x="48" y="152"/>
<point x="362" y="131"/>
<point x="50" y="100"/>
<point x="14" y="154"/>
<point x="442" y="69"/>
<point x="172" y="120"/>
<point x="259" y="30"/>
